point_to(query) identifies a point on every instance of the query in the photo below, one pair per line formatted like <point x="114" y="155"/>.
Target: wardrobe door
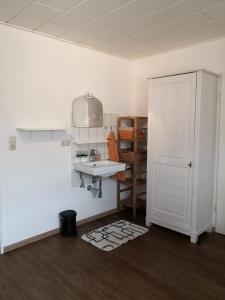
<point x="171" y="147"/>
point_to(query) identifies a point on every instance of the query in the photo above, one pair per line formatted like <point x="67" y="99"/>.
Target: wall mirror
<point x="87" y="111"/>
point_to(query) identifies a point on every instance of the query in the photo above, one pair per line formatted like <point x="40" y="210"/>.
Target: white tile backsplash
<point x="84" y="159"/>
<point x="75" y="133"/>
<point x="74" y="148"/>
<point x="92" y="134"/>
<point x="92" y="146"/>
<point x="106" y="148"/>
<point x="101" y="149"/>
<point x="83" y="146"/>
<point x="84" y="134"/>
<point x="100" y="133"/>
<point x="106" y="156"/>
<point x="107" y="131"/>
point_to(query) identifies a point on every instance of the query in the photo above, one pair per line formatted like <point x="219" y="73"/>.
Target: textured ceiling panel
<point x="15" y="4"/>
<point x="127" y="28"/>
<point x="132" y="12"/>
<point x="34" y="15"/>
<point x="216" y="13"/>
<point x="52" y="29"/>
<point x="186" y="8"/>
<point x="61" y="4"/>
<point x="6" y="13"/>
<point x="83" y="33"/>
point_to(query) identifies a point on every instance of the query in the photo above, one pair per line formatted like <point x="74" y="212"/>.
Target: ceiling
<point x="128" y="28"/>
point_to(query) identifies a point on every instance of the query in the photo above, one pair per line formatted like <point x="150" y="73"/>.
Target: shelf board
<point x="90" y="142"/>
<point x="143" y="172"/>
<point x="142" y="151"/>
<point x="126" y="189"/>
<point x="132" y="118"/>
<point x="124" y="151"/>
<point x="128" y="202"/>
<point x="129" y="182"/>
<point x="132" y="140"/>
<point x="141" y="196"/>
<point x="41" y="128"/>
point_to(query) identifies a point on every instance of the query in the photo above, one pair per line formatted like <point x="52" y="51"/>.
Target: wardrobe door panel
<point x="171" y="147"/>
<point x="171" y="187"/>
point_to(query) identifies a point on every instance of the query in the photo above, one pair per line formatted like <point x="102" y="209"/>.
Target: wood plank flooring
<point x="159" y="265"/>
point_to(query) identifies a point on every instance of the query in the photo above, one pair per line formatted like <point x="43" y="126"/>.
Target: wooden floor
<point x="161" y="264"/>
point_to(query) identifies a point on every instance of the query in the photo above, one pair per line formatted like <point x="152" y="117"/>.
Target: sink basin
<point x="103" y="168"/>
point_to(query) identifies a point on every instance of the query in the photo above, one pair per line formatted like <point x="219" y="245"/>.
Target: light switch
<point x="12" y="143"/>
<point x="65" y="143"/>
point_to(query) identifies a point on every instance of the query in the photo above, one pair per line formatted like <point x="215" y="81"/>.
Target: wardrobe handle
<point x="190" y="164"/>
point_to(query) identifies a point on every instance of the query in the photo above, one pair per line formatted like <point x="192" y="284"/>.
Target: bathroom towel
<point x="114" y="155"/>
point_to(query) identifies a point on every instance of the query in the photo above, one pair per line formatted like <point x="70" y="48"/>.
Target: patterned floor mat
<point x="113" y="235"/>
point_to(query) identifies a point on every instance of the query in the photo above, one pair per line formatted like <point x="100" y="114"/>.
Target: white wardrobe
<point x="181" y="152"/>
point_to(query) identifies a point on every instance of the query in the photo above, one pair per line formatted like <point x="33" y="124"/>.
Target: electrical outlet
<point x="65" y="143"/>
<point x="12" y="143"/>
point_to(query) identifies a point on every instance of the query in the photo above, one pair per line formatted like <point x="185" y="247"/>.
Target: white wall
<point x="39" y="78"/>
<point x="209" y="56"/>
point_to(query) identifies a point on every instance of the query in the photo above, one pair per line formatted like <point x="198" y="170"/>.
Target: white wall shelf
<point x="90" y="142"/>
<point x="41" y="128"/>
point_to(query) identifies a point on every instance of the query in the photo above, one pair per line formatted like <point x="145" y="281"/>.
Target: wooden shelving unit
<point x="132" y="148"/>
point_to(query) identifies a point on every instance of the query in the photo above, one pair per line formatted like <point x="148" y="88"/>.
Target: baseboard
<point x="99" y="216"/>
<point x="30" y="240"/>
<point x="55" y="231"/>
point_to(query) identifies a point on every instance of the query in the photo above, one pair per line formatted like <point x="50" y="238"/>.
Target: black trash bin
<point x="68" y="223"/>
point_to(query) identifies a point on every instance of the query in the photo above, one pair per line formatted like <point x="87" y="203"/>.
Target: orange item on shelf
<point x="114" y="155"/>
<point x="126" y="134"/>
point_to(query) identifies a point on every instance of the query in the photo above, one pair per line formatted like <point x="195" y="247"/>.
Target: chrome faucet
<point x="92" y="155"/>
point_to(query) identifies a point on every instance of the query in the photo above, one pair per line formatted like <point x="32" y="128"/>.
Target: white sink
<point x="103" y="168"/>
